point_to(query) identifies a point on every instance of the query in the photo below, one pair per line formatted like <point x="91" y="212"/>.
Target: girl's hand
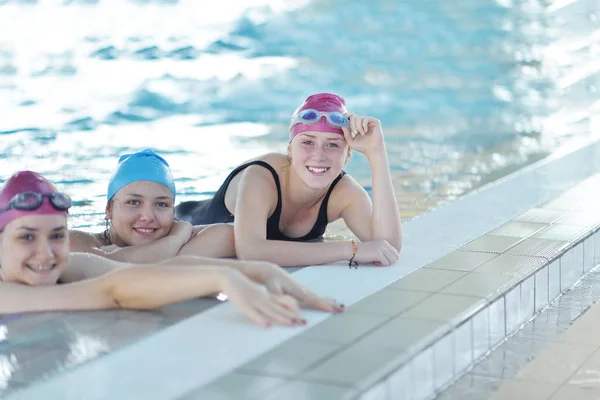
<point x="281" y="282"/>
<point x="364" y="134"/>
<point x="257" y="304"/>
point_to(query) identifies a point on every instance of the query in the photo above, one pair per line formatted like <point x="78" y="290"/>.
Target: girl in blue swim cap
<point x="140" y="225"/>
<point x="34" y="258"/>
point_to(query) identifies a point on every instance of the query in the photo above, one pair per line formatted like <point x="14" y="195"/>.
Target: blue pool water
<point x="467" y="90"/>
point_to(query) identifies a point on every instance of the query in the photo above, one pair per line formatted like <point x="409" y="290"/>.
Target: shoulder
<point x="258" y="173"/>
<point x="347" y="191"/>
<point x="348" y="184"/>
<point x="81" y="241"/>
<point x="84" y="266"/>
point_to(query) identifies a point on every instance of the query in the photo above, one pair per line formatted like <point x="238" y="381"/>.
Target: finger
<point x="359" y="126"/>
<point x="383" y="260"/>
<point x="287" y="302"/>
<point x="353" y="126"/>
<point x="297" y="291"/>
<point x="390" y="257"/>
<point x="274" y="288"/>
<point x="394" y="251"/>
<point x="323" y="304"/>
<point x="347" y="133"/>
<point x="365" y="125"/>
<point x="388" y="246"/>
<point x="333" y="305"/>
<point x="281" y="314"/>
<point x="254" y="316"/>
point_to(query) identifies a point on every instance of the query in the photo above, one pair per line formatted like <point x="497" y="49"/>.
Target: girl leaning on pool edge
<point x="35" y="258"/>
<point x="279" y="203"/>
<point x="140" y="224"/>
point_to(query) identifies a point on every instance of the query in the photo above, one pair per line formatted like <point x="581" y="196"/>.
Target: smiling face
<point x="318" y="157"/>
<point x="141" y="212"/>
<point x="34" y="249"/>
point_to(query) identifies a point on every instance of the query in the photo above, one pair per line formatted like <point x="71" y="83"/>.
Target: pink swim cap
<point x="24" y="181"/>
<point x="324" y="102"/>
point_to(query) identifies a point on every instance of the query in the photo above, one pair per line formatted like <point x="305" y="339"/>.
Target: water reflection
<point x="467" y="91"/>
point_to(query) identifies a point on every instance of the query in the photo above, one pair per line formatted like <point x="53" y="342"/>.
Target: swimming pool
<point x="467" y="91"/>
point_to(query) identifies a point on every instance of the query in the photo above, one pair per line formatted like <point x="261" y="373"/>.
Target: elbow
<point x="247" y="251"/>
<point x="111" y="294"/>
<point x="118" y="294"/>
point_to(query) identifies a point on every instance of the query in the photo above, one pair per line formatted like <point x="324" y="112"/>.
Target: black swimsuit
<point x="213" y="210"/>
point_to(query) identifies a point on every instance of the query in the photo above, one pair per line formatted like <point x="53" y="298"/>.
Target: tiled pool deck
<point x="471" y="273"/>
<point x="553" y="357"/>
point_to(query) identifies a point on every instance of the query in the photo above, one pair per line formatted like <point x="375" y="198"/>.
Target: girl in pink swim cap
<point x="281" y="202"/>
<point x="34" y="252"/>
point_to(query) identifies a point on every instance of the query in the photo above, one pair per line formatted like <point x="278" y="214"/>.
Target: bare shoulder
<point x="83" y="266"/>
<point x="346" y="193"/>
<point x="347" y="186"/>
<point x="275" y="159"/>
<point x="259" y="173"/>
<point x="83" y="241"/>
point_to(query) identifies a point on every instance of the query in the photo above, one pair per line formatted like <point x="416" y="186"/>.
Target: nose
<point x="147" y="213"/>
<point x="319" y="153"/>
<point x="43" y="253"/>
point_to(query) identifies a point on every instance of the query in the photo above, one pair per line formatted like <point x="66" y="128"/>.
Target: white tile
<point x="513" y="309"/>
<point x="481" y="333"/>
<point x="497" y="321"/>
<point x="578" y="258"/>
<point x="553" y="280"/>
<point x="463" y="345"/>
<point x="597" y="247"/>
<point x="400" y="383"/>
<point x="527" y="298"/>
<point x="378" y="392"/>
<point x="567" y="269"/>
<point x="589" y="248"/>
<point x="421" y="373"/>
<point x="541" y="288"/>
<point x="443" y="361"/>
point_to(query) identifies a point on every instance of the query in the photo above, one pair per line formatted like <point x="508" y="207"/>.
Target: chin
<point x="318" y="183"/>
<point x="44" y="281"/>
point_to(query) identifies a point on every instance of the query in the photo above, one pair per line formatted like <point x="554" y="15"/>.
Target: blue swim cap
<point x="144" y="165"/>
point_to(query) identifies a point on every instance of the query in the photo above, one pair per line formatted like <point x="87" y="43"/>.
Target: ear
<point x="108" y="210"/>
<point x="348" y="155"/>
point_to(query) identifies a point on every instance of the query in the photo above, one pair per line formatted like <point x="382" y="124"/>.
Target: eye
<point x="334" y="145"/>
<point x="163" y="204"/>
<point x="57" y="236"/>
<point x="133" y="202"/>
<point x="307" y="142"/>
<point x="26" y="237"/>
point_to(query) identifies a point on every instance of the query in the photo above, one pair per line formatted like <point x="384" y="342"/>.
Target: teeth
<point x="145" y="230"/>
<point x="317" y="170"/>
<point x="41" y="268"/>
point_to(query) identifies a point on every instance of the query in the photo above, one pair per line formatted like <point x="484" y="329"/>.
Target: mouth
<point x="42" y="269"/>
<point x="317" y="170"/>
<point x="145" y="232"/>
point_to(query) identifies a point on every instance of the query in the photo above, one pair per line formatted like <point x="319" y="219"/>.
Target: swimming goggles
<point x="29" y="201"/>
<point x="310" y="116"/>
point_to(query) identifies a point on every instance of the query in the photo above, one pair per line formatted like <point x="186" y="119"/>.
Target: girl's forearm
<point x="386" y="222"/>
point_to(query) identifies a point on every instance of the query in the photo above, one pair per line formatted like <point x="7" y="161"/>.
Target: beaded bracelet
<point x="353" y="263"/>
